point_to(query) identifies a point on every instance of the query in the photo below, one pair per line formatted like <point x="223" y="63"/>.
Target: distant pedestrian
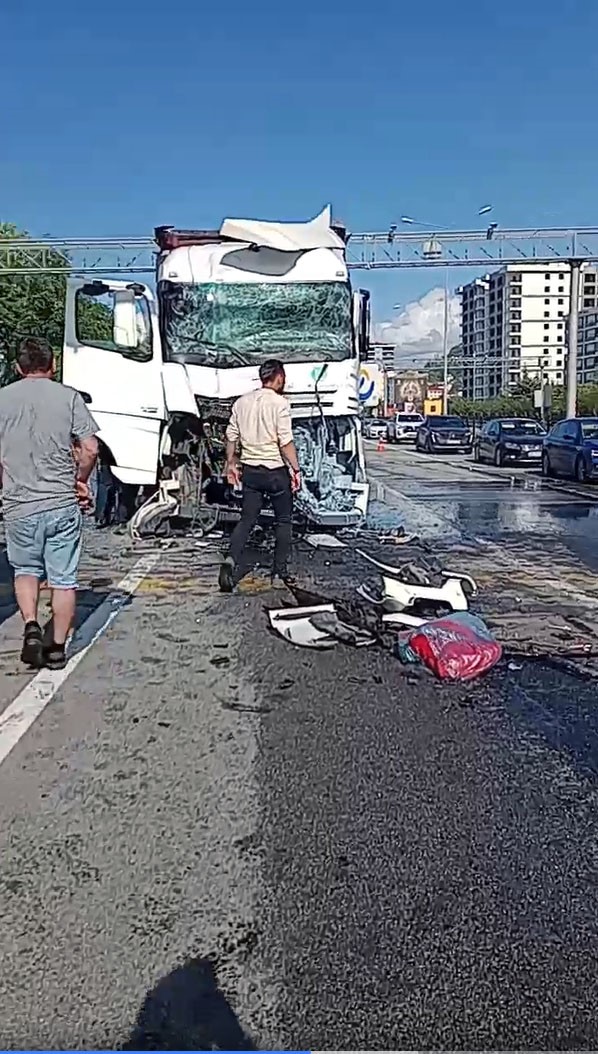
<point x="261" y="455"/>
<point x="48" y="449"/>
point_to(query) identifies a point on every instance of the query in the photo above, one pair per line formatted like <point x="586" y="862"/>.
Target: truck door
<point x="112" y="355"/>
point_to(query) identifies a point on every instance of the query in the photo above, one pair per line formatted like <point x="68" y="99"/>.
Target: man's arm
<point x="84" y="430"/>
<point x="286" y="444"/>
<point x="231" y="467"/>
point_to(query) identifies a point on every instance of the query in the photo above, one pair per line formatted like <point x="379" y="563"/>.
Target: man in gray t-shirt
<point x="44" y="487"/>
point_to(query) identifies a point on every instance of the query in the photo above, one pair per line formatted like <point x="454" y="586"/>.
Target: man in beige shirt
<point x="261" y="454"/>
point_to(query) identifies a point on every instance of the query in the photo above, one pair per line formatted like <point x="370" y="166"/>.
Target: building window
<point x="560" y="338"/>
<point x="559" y="325"/>
<point x="547" y="277"/>
<point x="547" y="314"/>
<point x="588" y="301"/>
<point x="515" y="314"/>
<point x="547" y="325"/>
<point x="560" y="313"/>
<point x="560" y="301"/>
<point x="515" y="302"/>
<point x="561" y="276"/>
<point x="546" y="340"/>
<point x="546" y="288"/>
<point x="561" y="289"/>
<point x="515" y="340"/>
<point x="559" y="362"/>
<point x="559" y="376"/>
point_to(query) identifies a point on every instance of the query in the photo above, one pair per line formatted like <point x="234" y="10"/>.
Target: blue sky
<point x="117" y="117"/>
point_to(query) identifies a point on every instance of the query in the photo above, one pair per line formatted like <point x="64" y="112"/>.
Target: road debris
<point x="458" y="647"/>
<point x="325" y="541"/>
<point x="317" y="627"/>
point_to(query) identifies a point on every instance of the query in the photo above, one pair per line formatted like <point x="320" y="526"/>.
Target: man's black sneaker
<point x="55" y="656"/>
<point x="32" y="652"/>
<point x="225" y="577"/>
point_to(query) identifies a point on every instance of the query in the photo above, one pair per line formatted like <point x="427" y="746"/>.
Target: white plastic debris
<point x="293" y="624"/>
<point x="399" y="618"/>
<point x="406" y="594"/>
<point x="324" y="541"/>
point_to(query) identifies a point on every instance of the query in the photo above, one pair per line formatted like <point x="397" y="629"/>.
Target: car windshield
<point x="522" y="428"/>
<point x="223" y="324"/>
<point x="589" y="429"/>
<point x="408" y="419"/>
<point x="447" y="422"/>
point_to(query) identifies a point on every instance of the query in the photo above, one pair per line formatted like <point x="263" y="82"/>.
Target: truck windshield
<point x="241" y="324"/>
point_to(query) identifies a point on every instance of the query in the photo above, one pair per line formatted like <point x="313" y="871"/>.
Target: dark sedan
<point x="571" y="449"/>
<point x="510" y="439"/>
<point x="443" y="433"/>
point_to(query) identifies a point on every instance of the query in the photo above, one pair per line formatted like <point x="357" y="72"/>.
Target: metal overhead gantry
<point x="372" y="250"/>
<point x="375" y="250"/>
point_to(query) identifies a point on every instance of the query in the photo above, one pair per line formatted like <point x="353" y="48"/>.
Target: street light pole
<point x="445" y="328"/>
<point x="445" y="344"/>
<point x="572" y="339"/>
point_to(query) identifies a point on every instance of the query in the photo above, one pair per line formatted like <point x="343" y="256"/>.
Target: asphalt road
<point x="211" y="840"/>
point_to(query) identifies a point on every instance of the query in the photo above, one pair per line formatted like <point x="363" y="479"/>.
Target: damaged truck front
<point x="161" y="371"/>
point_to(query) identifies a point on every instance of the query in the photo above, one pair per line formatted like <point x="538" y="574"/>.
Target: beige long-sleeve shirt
<point x="260" y="424"/>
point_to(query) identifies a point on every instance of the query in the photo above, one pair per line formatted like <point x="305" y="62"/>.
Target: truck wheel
<point x="498" y="457"/>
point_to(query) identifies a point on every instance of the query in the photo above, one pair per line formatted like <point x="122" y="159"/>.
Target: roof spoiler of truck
<point x="288" y="236"/>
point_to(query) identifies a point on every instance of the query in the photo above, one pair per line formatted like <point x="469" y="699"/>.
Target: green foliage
<point x="521" y="405"/>
<point x="33" y="305"/>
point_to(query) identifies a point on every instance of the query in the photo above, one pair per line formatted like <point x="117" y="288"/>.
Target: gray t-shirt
<point x="39" y="419"/>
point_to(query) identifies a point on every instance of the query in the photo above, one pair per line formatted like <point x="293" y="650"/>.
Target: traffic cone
<point x="381" y="446"/>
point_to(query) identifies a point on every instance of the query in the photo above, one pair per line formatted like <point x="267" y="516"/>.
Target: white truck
<point x="160" y="370"/>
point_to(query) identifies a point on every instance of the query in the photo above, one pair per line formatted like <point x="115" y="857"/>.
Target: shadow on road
<point x="187" y="1011"/>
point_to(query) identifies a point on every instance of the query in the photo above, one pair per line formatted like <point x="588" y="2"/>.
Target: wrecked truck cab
<point x="161" y="370"/>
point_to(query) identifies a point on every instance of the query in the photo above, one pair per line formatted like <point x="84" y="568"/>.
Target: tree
<point x="33" y="305"/>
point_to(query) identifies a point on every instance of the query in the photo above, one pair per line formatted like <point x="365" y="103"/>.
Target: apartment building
<point x="587" y="345"/>
<point x="514" y="324"/>
<point x="384" y="354"/>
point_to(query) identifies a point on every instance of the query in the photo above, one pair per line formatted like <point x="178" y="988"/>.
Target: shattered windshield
<point x="242" y="324"/>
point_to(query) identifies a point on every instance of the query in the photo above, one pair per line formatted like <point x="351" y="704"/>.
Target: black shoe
<point x="32" y="652"/>
<point x="225" y="577"/>
<point x="55" y="656"/>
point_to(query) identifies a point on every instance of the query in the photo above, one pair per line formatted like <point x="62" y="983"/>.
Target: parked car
<point x="375" y="428"/>
<point x="510" y="439"/>
<point x="443" y="433"/>
<point x="571" y="449"/>
<point x="403" y="426"/>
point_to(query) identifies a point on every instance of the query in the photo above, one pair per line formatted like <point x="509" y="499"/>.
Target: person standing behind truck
<point x="260" y="424"/>
<point x="44" y="487"/>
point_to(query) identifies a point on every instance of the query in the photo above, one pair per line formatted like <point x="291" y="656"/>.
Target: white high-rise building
<point x="384" y="354"/>
<point x="513" y="324"/>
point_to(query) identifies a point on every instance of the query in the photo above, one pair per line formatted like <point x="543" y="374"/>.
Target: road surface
<point x="211" y="840"/>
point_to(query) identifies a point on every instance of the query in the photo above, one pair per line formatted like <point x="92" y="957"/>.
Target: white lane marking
<point x="41" y="689"/>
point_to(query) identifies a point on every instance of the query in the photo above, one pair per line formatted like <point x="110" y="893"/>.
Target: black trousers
<point x="260" y="483"/>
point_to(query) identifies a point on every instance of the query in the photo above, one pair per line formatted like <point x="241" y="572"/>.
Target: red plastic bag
<point x="457" y="647"/>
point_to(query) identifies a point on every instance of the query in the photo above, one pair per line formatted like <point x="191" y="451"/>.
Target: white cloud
<point x="418" y="329"/>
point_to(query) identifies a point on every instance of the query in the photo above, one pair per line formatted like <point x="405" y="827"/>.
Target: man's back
<point x="38" y="419"/>
<point x="261" y="421"/>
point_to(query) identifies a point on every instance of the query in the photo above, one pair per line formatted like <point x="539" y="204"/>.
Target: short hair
<point x="34" y="355"/>
<point x="270" y="370"/>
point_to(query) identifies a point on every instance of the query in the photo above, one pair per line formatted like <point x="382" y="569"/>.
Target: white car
<point x="375" y="428"/>
<point x="402" y="428"/>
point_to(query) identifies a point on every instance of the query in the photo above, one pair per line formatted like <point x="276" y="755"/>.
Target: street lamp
<point x="483" y="211"/>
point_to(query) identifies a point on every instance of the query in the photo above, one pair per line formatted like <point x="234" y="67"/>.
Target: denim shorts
<point x="47" y="546"/>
